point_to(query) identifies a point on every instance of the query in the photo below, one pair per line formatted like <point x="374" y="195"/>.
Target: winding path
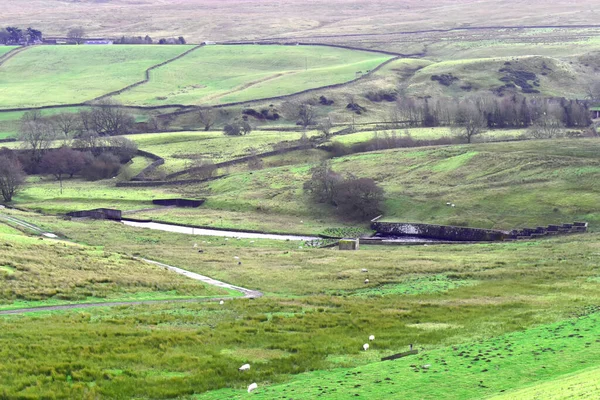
<point x="246" y="293"/>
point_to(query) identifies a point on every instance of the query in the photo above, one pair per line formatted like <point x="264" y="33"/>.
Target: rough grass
<point x="48" y="272"/>
<point x="469" y="371"/>
<point x="52" y="75"/>
<point x="299" y="327"/>
<point x="226" y="74"/>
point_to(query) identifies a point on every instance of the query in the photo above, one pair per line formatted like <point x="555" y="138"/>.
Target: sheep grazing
<point x="236" y="257"/>
<point x="252" y="387"/>
<point x="366" y="281"/>
<point x="195" y="245"/>
<point x="372" y="337"/>
<point x="448" y="204"/>
<point x="452" y="205"/>
<point x="244" y="367"/>
<point x="366" y="346"/>
<point x="364" y="270"/>
<point x="221" y="302"/>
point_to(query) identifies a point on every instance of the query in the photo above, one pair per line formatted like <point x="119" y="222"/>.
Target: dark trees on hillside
<point x="237" y="128"/>
<point x="353" y="197"/>
<point x="12" y="176"/>
<point x="302" y="112"/>
<point x="360" y="197"/>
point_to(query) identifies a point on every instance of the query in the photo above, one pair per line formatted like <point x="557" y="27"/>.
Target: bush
<point x="359" y="197"/>
<point x="105" y="166"/>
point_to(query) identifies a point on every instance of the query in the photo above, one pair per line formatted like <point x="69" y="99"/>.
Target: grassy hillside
<point x="38" y="272"/>
<point x="225" y="74"/>
<point x="180" y="148"/>
<point x="453" y="302"/>
<point x="239" y="19"/>
<point x="580" y="385"/>
<point x="50" y="75"/>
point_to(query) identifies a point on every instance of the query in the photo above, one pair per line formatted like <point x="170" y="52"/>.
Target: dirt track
<point x="247" y="293"/>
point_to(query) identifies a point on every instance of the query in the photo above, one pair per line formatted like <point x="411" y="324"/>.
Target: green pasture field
<point x="493" y="185"/>
<point x="180" y="148"/>
<point x="226" y="74"/>
<point x="6" y="49"/>
<point x="43" y="194"/>
<point x="461" y="305"/>
<point x="502" y="185"/>
<point x="52" y="75"/>
<point x="427" y="133"/>
<point x="580" y="385"/>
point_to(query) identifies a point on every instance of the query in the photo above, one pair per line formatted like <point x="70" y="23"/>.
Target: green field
<point x="52" y="75"/>
<point x="180" y="148"/>
<point x="5" y="49"/>
<point x="461" y="306"/>
<point x="225" y="74"/>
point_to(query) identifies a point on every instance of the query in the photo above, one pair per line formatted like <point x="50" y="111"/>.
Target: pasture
<point x="55" y="75"/>
<point x="227" y="74"/>
<point x="484" y="313"/>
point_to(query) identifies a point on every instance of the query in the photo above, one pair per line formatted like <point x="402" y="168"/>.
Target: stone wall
<point x="464" y="234"/>
<point x="439" y="232"/>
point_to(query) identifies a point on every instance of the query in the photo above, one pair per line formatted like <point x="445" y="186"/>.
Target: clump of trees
<point x="237" y="128"/>
<point x="12" y="176"/>
<point x="353" y="197"/>
<point x="13" y="35"/>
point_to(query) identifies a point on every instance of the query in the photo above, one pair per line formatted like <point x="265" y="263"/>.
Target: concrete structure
<point x="349" y="244"/>
<point x="98" y="213"/>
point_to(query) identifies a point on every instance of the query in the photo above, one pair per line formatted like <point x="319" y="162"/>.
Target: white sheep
<point x="252" y="387"/>
<point x="364" y="270"/>
<point x="366" y="346"/>
<point x="366" y="281"/>
<point x="452" y="205"/>
<point x="244" y="367"/>
<point x="236" y="257"/>
<point x="372" y="337"/>
<point x="221" y="302"/>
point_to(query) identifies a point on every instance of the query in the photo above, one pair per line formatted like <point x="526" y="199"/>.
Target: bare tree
<point x="470" y="121"/>
<point x="207" y="117"/>
<point x="325" y="127"/>
<point x="36" y="135"/>
<point x="202" y="168"/>
<point x="302" y="112"/>
<point x="12" y="176"/>
<point x="67" y="124"/>
<point x="546" y="127"/>
<point x="76" y="34"/>
<point x="109" y="118"/>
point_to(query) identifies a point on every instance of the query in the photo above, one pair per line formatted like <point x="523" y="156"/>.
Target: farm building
<point x="595" y="112"/>
<point x="104" y="42"/>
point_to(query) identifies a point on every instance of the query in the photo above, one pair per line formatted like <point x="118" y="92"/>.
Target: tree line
<point x="13" y="35"/>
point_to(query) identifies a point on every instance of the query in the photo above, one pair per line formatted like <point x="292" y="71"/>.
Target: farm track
<point x="11" y="54"/>
<point x="246" y="293"/>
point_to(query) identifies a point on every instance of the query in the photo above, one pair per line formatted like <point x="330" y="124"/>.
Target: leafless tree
<point x="325" y="127"/>
<point x="67" y="124"/>
<point x="12" y="177"/>
<point x="469" y="121"/>
<point x="109" y="118"/>
<point x="202" y="168"/>
<point x="76" y="34"/>
<point x="302" y="112"/>
<point x="207" y="117"/>
<point x="546" y="127"/>
<point x="36" y="135"/>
